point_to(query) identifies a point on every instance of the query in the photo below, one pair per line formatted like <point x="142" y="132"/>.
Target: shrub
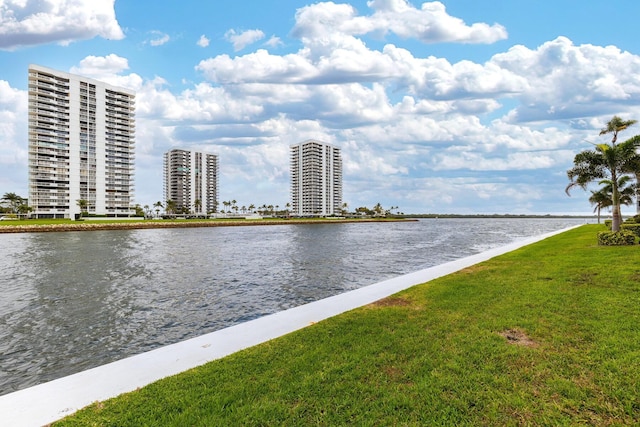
<point x="632" y="227"/>
<point x="608" y="223"/>
<point x="620" y="238"/>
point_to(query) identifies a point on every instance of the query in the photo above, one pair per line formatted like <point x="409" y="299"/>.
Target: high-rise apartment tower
<point x="316" y="179"/>
<point x="191" y="181"/>
<point x="81" y="145"/>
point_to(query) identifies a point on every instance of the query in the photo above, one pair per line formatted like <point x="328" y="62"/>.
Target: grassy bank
<point x="545" y="335"/>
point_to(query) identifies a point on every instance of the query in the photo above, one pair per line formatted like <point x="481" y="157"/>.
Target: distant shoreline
<point x="155" y="224"/>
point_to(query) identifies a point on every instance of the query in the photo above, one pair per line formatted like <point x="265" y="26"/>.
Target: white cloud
<point x="203" y="41"/>
<point x="569" y="81"/>
<point x="159" y="38"/>
<point x="430" y="24"/>
<point x="274" y="42"/>
<point x="33" y="22"/>
<point x="558" y="80"/>
<point x="13" y="105"/>
<point x="243" y="39"/>
<point x="101" y="66"/>
<point x="13" y="128"/>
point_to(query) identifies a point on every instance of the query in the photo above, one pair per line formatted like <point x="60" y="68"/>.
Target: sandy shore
<point x="93" y="226"/>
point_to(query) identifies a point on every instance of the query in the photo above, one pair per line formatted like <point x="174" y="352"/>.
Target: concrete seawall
<point x="48" y="402"/>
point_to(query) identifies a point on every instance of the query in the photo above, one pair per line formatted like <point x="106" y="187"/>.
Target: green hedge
<point x="632" y="220"/>
<point x="608" y="223"/>
<point x="632" y="227"/>
<point x="621" y="238"/>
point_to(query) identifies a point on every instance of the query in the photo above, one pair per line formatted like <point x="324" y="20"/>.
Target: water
<point x="76" y="300"/>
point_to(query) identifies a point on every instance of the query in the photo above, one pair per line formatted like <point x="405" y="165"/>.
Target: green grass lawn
<point x="545" y="335"/>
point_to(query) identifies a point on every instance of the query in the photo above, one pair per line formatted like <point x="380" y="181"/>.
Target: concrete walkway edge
<point x="44" y="403"/>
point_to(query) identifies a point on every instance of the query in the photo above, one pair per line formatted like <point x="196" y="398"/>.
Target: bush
<point x="608" y="223"/>
<point x="620" y="238"/>
<point x="632" y="227"/>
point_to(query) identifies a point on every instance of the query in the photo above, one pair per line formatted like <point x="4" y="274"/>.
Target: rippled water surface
<point x="75" y="300"/>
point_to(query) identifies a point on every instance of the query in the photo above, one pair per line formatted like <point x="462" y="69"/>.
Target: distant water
<point x="76" y="300"/>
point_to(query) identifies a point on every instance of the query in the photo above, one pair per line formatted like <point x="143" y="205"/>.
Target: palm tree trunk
<point x="616" y="217"/>
<point x="637" y="193"/>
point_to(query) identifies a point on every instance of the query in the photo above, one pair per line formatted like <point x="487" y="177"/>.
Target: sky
<point x="452" y="106"/>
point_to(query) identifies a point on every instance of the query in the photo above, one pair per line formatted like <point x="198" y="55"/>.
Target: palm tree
<point x="633" y="167"/>
<point x="615" y="125"/>
<point x="158" y="205"/>
<point x="197" y="204"/>
<point x="607" y="162"/>
<point x="138" y="209"/>
<point x="14" y="201"/>
<point x="82" y="204"/>
<point x="378" y="209"/>
<point x="603" y="199"/>
<point x="252" y="207"/>
<point x="24" y="209"/>
<point x="170" y="206"/>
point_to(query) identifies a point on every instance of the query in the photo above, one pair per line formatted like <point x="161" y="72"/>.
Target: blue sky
<point x="459" y="106"/>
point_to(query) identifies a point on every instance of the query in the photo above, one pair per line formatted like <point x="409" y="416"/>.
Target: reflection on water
<point x="75" y="300"/>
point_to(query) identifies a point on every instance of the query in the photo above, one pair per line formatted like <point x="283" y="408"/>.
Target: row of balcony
<point x="48" y="132"/>
<point x="120" y="99"/>
<point x="61" y="116"/>
<point x="48" y="160"/>
<point x="124" y="126"/>
<point x="52" y="152"/>
<point x="46" y="88"/>
<point x="35" y="119"/>
<point x="36" y="139"/>
<point x="50" y="99"/>
<point x="45" y="77"/>
<point x="47" y="124"/>
<point x="119" y="139"/>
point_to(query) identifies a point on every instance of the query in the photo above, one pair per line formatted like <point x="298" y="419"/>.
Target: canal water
<point x="75" y="300"/>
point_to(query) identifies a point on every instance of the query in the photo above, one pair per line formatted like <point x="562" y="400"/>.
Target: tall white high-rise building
<point x="316" y="179"/>
<point x="81" y="145"/>
<point x="191" y="180"/>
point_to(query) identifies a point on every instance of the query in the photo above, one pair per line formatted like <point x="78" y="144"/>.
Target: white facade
<point x="191" y="175"/>
<point x="316" y="179"/>
<point x="81" y="145"/>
